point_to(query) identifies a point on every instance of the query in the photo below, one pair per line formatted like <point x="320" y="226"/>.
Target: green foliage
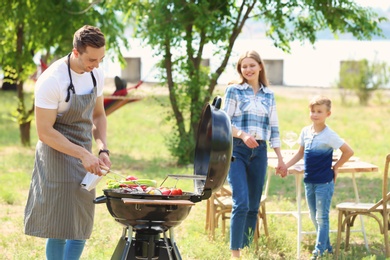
<point x="10" y="75"/>
<point x="21" y="115"/>
<point x="289" y="21"/>
<point x="179" y="31"/>
<point x="46" y="28"/>
<point x="363" y="78"/>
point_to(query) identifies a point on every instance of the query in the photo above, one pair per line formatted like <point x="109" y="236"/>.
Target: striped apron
<point x="57" y="206"/>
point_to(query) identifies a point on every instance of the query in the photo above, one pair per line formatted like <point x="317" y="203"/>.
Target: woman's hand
<point x="249" y="140"/>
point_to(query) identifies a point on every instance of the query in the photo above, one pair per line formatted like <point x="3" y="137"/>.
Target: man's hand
<point x="105" y="160"/>
<point x="92" y="164"/>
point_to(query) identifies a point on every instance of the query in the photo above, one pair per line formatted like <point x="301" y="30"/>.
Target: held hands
<point x="281" y="169"/>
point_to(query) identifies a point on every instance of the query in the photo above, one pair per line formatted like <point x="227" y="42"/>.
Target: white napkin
<point x="91" y="180"/>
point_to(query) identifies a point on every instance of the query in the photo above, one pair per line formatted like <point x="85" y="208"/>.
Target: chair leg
<point x="261" y="221"/>
<point x="212" y="220"/>
<point x="264" y="220"/>
<point x="348" y="224"/>
<point x="386" y="241"/>
<point x="386" y="235"/>
<point x="339" y="231"/>
<point x="223" y="220"/>
<point x="207" y="225"/>
<point x="256" y="234"/>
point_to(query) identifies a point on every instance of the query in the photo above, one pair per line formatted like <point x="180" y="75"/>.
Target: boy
<point x="317" y="142"/>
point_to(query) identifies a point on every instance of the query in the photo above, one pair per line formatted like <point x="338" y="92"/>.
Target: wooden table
<point x="351" y="167"/>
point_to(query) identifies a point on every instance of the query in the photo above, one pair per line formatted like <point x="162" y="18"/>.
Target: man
<point x="69" y="111"/>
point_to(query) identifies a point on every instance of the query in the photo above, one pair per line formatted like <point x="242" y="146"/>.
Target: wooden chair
<point x="347" y="213"/>
<point x="219" y="206"/>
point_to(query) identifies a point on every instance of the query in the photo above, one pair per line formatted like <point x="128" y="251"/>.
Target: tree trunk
<point x="25" y="133"/>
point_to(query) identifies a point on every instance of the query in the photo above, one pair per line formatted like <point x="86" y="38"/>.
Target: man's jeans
<point x="58" y="249"/>
<point x="319" y="198"/>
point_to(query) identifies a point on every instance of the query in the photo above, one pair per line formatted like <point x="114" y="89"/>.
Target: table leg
<point x="298" y="185"/>
<point x="361" y="217"/>
<point x="267" y="183"/>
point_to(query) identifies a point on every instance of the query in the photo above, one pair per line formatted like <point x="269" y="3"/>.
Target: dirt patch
<point x="8" y="223"/>
<point x="151" y="88"/>
<point x="148" y="88"/>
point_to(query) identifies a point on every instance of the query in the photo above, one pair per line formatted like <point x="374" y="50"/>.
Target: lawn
<point x="136" y="135"/>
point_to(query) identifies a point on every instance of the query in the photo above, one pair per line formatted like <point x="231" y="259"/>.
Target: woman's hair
<point x="320" y="100"/>
<point x="254" y="55"/>
<point x="88" y="36"/>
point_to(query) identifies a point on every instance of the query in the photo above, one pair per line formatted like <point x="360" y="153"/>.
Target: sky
<point x="383" y="4"/>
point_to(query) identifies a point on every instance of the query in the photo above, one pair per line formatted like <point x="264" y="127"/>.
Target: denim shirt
<point x="253" y="114"/>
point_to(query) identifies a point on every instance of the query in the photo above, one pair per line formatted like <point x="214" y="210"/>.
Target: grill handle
<point x="217" y="102"/>
<point x="100" y="200"/>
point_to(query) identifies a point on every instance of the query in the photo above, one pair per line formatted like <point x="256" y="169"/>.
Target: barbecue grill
<point x="149" y="220"/>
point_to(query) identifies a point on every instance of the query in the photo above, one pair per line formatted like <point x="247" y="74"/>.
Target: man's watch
<point x="104" y="151"/>
<point x="239" y="133"/>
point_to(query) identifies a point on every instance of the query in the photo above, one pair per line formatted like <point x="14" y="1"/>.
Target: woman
<point x="251" y="107"/>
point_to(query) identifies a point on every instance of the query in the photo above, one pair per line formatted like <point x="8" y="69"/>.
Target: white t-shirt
<point x="51" y="87"/>
<point x="318" y="153"/>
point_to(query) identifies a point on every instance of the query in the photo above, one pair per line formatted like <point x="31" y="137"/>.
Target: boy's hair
<point x="321" y="100"/>
<point x="88" y="36"/>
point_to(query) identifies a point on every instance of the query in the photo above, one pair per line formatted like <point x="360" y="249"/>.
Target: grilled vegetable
<point x="112" y="184"/>
<point x="140" y="182"/>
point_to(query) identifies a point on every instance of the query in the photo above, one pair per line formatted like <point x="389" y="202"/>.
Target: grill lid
<point x="213" y="152"/>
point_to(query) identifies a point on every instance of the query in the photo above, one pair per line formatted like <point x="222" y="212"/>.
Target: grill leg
<point x="175" y="249"/>
<point x="123" y="247"/>
<point x="168" y="246"/>
<point x="151" y="247"/>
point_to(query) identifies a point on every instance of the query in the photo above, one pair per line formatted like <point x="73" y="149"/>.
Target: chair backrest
<point x="385" y="192"/>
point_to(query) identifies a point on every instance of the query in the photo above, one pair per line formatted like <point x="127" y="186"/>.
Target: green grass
<point x="136" y="135"/>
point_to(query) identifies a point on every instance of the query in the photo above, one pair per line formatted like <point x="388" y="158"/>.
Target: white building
<point x="306" y="65"/>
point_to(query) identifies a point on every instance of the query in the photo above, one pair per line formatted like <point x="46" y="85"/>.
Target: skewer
<point x="108" y="170"/>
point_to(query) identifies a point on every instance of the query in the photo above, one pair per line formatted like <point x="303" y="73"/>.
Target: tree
<point x="30" y="27"/>
<point x="179" y="31"/>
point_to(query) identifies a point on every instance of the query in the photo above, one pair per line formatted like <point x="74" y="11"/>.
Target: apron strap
<point x="71" y="87"/>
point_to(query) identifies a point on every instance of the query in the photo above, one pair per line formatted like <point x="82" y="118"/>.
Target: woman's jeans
<point x="61" y="249"/>
<point x="246" y="178"/>
<point x="319" y="198"/>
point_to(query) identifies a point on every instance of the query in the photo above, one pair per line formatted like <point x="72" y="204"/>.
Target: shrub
<point x="362" y="77"/>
